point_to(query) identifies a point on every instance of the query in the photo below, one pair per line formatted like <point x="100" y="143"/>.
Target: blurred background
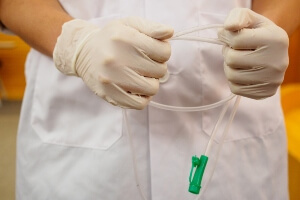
<point x="12" y="84"/>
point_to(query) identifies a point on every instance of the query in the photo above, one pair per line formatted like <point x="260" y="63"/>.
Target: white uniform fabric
<point x="74" y="145"/>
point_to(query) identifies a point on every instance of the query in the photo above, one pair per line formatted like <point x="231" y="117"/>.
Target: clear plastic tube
<point x="182" y="34"/>
<point x="191" y="109"/>
<point x="216" y="127"/>
<point x="208" y="147"/>
<point x="133" y="154"/>
<point x="225" y="103"/>
<point x="196" y="29"/>
<point x="224" y="135"/>
<point x="200" y="39"/>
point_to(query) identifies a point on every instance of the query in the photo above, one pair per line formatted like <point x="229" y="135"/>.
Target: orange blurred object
<point x="13" y="53"/>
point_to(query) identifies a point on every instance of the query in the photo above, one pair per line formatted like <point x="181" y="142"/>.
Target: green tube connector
<point x="196" y="178"/>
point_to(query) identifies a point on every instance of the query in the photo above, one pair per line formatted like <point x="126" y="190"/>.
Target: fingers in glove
<point x="134" y="83"/>
<point x="259" y="91"/>
<point x="240" y="58"/>
<point x="143" y="87"/>
<point x="245" y="38"/>
<point x="149" y="28"/>
<point x="240" y="18"/>
<point x="157" y="50"/>
<point x="129" y="80"/>
<point x="244" y="76"/>
<point x="121" y="98"/>
<point x="143" y="65"/>
<point x="251" y="67"/>
<point x="253" y="38"/>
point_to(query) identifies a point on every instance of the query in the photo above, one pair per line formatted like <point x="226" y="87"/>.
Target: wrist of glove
<point x="256" y="55"/>
<point x="75" y="34"/>
<point x="120" y="62"/>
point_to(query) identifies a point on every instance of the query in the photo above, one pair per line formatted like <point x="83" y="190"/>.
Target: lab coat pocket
<point x="65" y="112"/>
<point x="254" y="118"/>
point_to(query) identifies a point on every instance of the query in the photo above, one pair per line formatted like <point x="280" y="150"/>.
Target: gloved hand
<point x="120" y="62"/>
<point x="256" y="57"/>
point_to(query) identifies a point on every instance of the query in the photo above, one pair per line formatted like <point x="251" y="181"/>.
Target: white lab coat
<point x="74" y="145"/>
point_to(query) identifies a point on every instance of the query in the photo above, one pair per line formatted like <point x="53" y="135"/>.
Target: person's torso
<point x="90" y="135"/>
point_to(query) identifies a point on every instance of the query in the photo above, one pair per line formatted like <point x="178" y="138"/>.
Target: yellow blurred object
<point x="290" y="99"/>
<point x="13" y="53"/>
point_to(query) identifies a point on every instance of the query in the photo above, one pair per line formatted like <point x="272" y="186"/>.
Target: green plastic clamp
<point x="196" y="178"/>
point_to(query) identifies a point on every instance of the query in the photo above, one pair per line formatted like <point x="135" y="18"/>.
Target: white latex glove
<point x="120" y="62"/>
<point x="256" y="57"/>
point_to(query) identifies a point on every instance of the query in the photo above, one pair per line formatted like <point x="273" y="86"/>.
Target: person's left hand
<point x="256" y="55"/>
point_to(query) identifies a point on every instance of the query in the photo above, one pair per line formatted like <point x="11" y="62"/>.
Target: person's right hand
<point x="120" y="62"/>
